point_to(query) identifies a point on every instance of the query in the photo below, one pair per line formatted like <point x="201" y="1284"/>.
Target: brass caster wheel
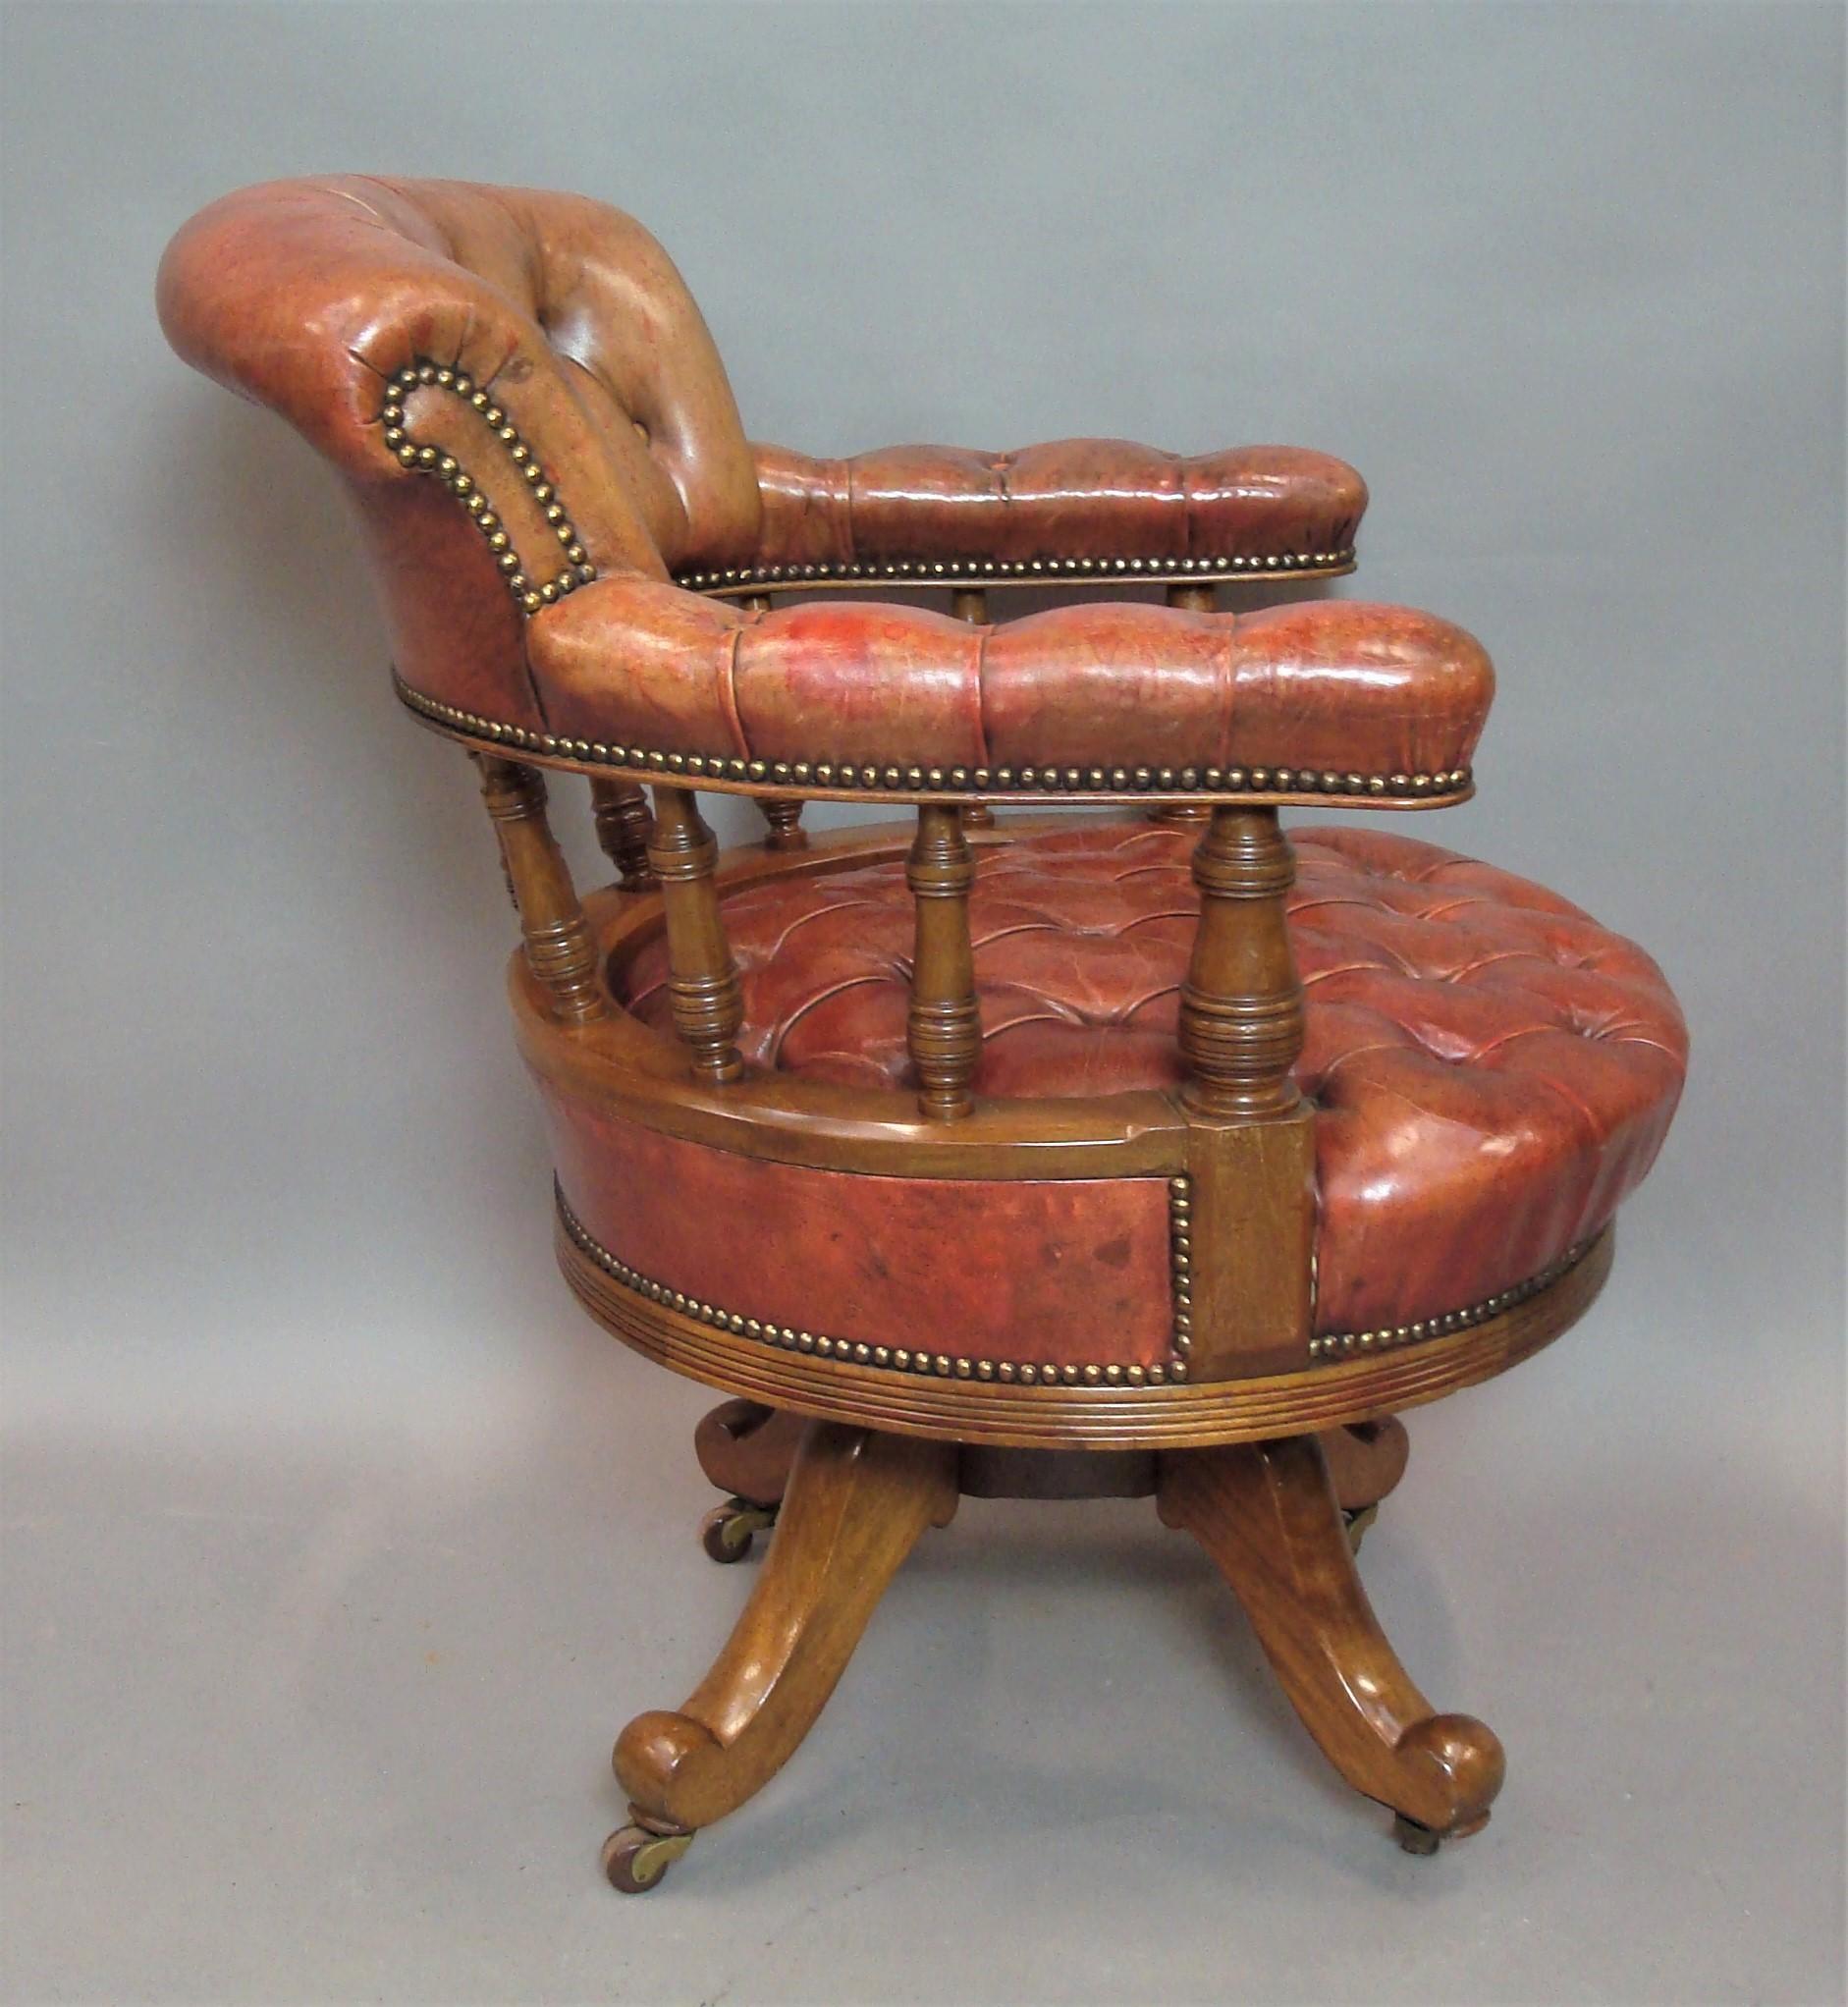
<point x="636" y="1860"/>
<point x="1415" y="1838"/>
<point x="1426" y="1839"/>
<point x="728" y="1530"/>
<point x="1357" y="1523"/>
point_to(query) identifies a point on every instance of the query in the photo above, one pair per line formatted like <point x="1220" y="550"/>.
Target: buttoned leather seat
<point x="1492" y="1070"/>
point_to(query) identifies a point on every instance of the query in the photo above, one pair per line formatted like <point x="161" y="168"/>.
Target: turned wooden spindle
<point x="1186" y="815"/>
<point x="560" y="946"/>
<point x="702" y="984"/>
<point x="783" y="813"/>
<point x="1252" y="1144"/>
<point x="784" y="817"/>
<point x="944" y="1029"/>
<point x="1241" y="1006"/>
<point x="970" y="603"/>
<point x="624" y="822"/>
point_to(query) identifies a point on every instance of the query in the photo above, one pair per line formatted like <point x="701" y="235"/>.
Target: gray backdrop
<point x="339" y="1543"/>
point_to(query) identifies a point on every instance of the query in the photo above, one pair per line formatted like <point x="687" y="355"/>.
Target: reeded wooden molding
<point x="560" y="946"/>
<point x="1194" y="1413"/>
<point x="747" y="1449"/>
<point x="1241" y="1006"/>
<point x="623" y="824"/>
<point x="943" y="1027"/>
<point x="707" y="1001"/>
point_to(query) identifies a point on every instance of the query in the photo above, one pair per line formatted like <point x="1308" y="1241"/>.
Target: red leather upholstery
<point x="522" y="396"/>
<point x="534" y="422"/>
<point x="563" y="314"/>
<point x="1354" y="693"/>
<point x="310" y="294"/>
<point x="1492" y="1070"/>
<point x="1071" y="498"/>
<point x="1071" y="1272"/>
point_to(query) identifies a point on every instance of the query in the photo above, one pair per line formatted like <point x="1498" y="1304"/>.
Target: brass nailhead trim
<point x="1181" y="1256"/>
<point x="1345" y="1344"/>
<point x="424" y="459"/>
<point x="958" y="570"/>
<point x="1330" y="1346"/>
<point x="894" y="1358"/>
<point x="1055" y="781"/>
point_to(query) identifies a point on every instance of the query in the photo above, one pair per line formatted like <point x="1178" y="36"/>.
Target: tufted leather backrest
<point x="554" y="355"/>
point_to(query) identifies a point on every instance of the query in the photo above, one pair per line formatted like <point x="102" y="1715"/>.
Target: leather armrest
<point x="1102" y="504"/>
<point x="1330" y="697"/>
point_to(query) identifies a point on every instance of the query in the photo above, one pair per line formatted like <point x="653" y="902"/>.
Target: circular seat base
<point x="1180" y="1415"/>
<point x="1486" y="1070"/>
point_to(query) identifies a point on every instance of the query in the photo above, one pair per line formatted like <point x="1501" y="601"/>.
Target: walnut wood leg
<point x="1266" y="1512"/>
<point x="856" y="1504"/>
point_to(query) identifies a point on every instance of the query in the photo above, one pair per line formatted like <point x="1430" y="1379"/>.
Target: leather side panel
<point x="1047" y="1271"/>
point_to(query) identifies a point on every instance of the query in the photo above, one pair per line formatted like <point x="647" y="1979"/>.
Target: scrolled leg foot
<point x="856" y="1504"/>
<point x="1267" y="1515"/>
<point x="1467" y="1766"/>
<point x="1471" y="1755"/>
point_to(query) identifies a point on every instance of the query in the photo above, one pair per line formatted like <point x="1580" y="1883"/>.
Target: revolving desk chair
<point x="1119" y="1147"/>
